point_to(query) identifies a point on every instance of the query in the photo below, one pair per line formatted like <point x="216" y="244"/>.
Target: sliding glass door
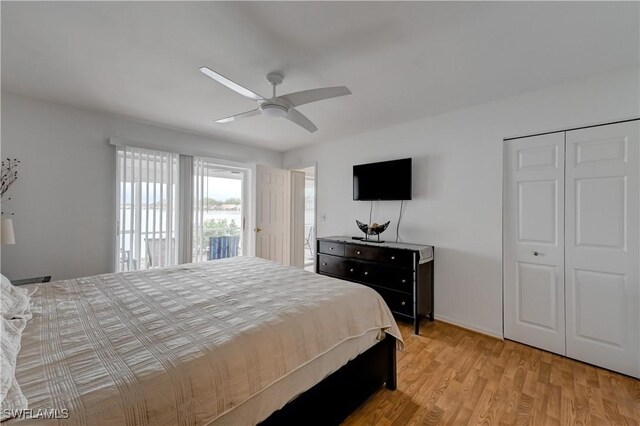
<point x="218" y="210"/>
<point x="147" y="210"/>
<point x="163" y="220"/>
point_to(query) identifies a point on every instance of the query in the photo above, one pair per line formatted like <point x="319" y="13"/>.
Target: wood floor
<point x="449" y="375"/>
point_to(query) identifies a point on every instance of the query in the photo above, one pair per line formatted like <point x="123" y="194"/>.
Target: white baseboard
<point x="481" y="330"/>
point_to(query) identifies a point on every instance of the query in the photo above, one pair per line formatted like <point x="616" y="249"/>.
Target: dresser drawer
<point x="361" y="252"/>
<point x="385" y="276"/>
<point x="389" y="256"/>
<point x="330" y="247"/>
<point x="331" y="265"/>
<point x="396" y="257"/>
<point x="341" y="267"/>
<point x="397" y="302"/>
<point x="352" y="270"/>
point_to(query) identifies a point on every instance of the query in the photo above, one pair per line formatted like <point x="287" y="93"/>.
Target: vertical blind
<point x="147" y="209"/>
<point x="200" y="190"/>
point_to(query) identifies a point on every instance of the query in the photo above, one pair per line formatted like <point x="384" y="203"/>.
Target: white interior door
<point x="534" y="242"/>
<point x="273" y="214"/>
<point x="602" y="257"/>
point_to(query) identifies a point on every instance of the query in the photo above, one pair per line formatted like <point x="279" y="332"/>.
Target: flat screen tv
<point x="388" y="180"/>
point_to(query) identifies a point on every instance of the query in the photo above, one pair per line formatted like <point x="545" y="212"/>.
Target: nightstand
<point x="34" y="280"/>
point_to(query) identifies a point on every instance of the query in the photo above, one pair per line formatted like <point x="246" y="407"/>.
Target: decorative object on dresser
<point x="401" y="273"/>
<point x="374" y="229"/>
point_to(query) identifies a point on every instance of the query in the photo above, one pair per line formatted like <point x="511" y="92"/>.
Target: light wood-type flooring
<point x="449" y="375"/>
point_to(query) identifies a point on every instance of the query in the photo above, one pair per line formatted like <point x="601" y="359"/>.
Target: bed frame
<point x="339" y="394"/>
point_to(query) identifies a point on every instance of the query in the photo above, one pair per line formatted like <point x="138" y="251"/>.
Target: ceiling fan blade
<point x="313" y="95"/>
<point x="302" y="121"/>
<point x="230" y="84"/>
<point x="239" y="116"/>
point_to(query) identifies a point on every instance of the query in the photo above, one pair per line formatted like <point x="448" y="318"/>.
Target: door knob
<point x="258" y="229"/>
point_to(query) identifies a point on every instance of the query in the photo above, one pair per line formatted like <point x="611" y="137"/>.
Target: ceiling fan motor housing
<point x="275" y="78"/>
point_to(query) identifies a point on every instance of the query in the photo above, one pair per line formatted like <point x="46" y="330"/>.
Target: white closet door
<point x="533" y="242"/>
<point x="602" y="257"/>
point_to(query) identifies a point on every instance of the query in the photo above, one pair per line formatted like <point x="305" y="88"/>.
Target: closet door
<point x="534" y="242"/>
<point x="602" y="257"/>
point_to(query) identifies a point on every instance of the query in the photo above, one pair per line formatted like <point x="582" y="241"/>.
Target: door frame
<point x="304" y="165"/>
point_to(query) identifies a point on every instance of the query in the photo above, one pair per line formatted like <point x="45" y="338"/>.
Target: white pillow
<point x="15" y="400"/>
<point x="14" y="301"/>
<point x="11" y="396"/>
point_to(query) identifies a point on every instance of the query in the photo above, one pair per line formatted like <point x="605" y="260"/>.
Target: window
<point x="147" y="212"/>
<point x="174" y="208"/>
<point x="218" y="210"/>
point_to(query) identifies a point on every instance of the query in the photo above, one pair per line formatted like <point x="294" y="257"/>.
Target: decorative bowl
<point x="374" y="229"/>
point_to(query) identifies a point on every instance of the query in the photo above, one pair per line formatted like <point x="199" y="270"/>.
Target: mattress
<point x="220" y="342"/>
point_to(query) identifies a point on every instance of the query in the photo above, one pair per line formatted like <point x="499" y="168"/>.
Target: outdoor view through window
<point x="217" y="211"/>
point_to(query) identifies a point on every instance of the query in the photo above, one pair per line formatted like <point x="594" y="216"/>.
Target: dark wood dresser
<point x="401" y="273"/>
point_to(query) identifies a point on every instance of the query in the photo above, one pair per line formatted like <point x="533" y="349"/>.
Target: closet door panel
<point x="602" y="253"/>
<point x="534" y="241"/>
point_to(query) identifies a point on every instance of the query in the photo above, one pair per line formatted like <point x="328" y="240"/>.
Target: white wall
<point x="457" y="180"/>
<point x="64" y="198"/>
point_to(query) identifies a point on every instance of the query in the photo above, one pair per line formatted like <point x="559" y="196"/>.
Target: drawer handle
<point x="357" y="252"/>
<point x="351" y="270"/>
<point x="324" y="263"/>
<point x="393" y="258"/>
<point x="330" y="248"/>
<point x="366" y="273"/>
<point x="403" y="303"/>
<point x="404" y="281"/>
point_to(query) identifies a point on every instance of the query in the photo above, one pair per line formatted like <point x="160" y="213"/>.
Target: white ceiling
<point x="402" y="61"/>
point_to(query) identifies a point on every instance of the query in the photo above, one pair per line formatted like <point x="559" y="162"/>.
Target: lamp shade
<point x="6" y="232"/>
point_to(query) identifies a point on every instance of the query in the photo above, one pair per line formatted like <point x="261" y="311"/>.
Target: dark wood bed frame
<point x="339" y="394"/>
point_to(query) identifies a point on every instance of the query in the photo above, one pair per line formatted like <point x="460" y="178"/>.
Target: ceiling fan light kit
<point x="277" y="106"/>
<point x="273" y="110"/>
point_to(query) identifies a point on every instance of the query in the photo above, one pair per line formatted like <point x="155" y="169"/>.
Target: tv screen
<point x="388" y="180"/>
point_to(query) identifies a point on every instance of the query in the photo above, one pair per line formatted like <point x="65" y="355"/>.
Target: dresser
<point x="401" y="273"/>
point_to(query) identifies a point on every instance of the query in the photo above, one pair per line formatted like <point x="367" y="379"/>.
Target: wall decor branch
<point x="9" y="176"/>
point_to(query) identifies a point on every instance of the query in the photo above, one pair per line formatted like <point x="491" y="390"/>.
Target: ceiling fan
<point x="278" y="106"/>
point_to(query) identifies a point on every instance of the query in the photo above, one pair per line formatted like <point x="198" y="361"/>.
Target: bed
<point x="233" y="341"/>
